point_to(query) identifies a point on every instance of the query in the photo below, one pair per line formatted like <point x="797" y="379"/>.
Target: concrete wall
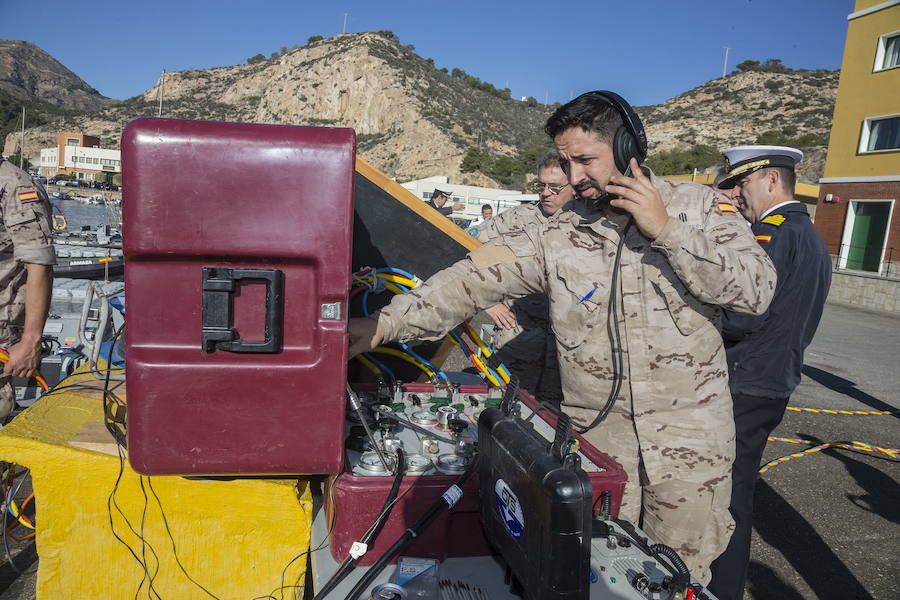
<point x="865" y="291"/>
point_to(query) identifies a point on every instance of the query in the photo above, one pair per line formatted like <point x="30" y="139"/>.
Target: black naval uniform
<point x="444" y="210"/>
<point x="765" y="355"/>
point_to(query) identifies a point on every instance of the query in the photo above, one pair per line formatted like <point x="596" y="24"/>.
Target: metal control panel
<point x="438" y="430"/>
<point x="620" y="570"/>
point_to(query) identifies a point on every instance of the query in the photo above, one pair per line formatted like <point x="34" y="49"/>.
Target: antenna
<point x="725" y="64"/>
<point x="344" y="30"/>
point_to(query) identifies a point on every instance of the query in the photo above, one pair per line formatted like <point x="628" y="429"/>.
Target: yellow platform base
<point x="235" y="538"/>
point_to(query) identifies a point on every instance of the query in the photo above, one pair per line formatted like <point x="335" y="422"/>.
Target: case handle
<point x="217" y="331"/>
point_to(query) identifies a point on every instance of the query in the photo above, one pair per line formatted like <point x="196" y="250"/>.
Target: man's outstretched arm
<point x="488" y="275"/>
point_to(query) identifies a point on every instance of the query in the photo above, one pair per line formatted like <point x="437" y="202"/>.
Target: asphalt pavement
<point x="827" y="525"/>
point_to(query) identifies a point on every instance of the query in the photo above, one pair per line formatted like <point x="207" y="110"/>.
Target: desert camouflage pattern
<point x="671" y="426"/>
<point x="528" y="351"/>
<point x="25" y="237"/>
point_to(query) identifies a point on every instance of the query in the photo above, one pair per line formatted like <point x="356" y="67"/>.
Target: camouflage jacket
<point x="670" y="292"/>
<point x="531" y="311"/>
<point x="25" y="237"/>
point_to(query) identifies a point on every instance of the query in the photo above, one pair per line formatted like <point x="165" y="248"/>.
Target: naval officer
<point x="765" y="352"/>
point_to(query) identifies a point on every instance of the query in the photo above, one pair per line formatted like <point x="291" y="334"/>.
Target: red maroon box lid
<point x="237" y="240"/>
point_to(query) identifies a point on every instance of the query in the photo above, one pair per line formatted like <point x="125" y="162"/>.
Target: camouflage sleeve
<point x="721" y="264"/>
<point x="504" y="223"/>
<point x="488" y="275"/>
<point x="26" y="218"/>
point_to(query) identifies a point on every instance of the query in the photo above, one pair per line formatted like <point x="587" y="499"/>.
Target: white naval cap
<point x="742" y="160"/>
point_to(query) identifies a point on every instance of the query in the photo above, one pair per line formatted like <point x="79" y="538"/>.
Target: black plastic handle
<point x="217" y="330"/>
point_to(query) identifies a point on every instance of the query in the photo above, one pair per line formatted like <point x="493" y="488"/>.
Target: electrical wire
<point x="486" y="372"/>
<point x="368" y="539"/>
<point x="405" y="357"/>
<point x="615" y="336"/>
<point x="445" y="501"/>
<point x="36" y="375"/>
<point x="172" y="540"/>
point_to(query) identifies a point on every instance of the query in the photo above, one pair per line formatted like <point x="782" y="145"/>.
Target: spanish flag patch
<point x="727" y="207"/>
<point x="775" y="220"/>
<point x="28" y="196"/>
<point x="763" y="238"/>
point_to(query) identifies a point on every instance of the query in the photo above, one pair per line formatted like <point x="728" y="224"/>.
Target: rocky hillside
<point x="736" y="109"/>
<point x="29" y="73"/>
<point x="413" y="120"/>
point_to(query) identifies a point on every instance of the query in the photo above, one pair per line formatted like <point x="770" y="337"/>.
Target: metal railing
<point x="841" y="261"/>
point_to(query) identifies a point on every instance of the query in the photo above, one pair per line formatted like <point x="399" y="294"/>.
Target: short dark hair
<point x="589" y="112"/>
<point x="788" y="178"/>
<point x="484" y="206"/>
<point x="547" y="160"/>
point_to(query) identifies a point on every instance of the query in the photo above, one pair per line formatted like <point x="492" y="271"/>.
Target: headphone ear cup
<point x="624" y="148"/>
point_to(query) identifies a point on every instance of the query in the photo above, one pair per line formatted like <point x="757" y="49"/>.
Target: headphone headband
<point x="629" y="117"/>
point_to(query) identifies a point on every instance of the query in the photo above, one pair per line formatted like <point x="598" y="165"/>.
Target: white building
<point x="471" y="195"/>
<point x="78" y="161"/>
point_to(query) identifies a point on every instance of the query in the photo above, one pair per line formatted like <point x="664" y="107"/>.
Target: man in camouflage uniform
<point x="26" y="276"/>
<point x="671" y="426"/>
<point x="522" y="326"/>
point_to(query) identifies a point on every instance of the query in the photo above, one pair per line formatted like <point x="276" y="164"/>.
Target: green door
<point x="867" y="238"/>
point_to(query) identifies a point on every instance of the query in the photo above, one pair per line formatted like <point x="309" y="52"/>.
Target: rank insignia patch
<point x="28" y="196"/>
<point x="727" y="207"/>
<point x="775" y="220"/>
<point x="764" y="238"/>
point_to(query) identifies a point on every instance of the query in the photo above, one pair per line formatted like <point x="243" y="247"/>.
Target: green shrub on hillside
<point x="782" y="138"/>
<point x="675" y="162"/>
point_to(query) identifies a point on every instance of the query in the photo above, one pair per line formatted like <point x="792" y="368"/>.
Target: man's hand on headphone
<point x="638" y="196"/>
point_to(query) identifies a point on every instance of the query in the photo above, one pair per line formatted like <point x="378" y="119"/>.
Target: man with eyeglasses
<point x="765" y="352"/>
<point x="522" y="326"/>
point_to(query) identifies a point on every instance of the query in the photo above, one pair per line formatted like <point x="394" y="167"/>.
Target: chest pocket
<point x="688" y="313"/>
<point x="573" y="317"/>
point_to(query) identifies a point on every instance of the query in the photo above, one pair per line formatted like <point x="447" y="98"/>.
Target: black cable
<point x="144" y="544"/>
<point x="110" y="503"/>
<point x="372" y="534"/>
<point x="172" y="539"/>
<point x="413" y="531"/>
<point x="108" y="420"/>
<point x="615" y="335"/>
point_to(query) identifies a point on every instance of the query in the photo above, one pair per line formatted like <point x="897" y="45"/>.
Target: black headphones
<point x="630" y="140"/>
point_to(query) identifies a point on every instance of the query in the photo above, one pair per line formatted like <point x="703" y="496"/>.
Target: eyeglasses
<point x="555" y="188"/>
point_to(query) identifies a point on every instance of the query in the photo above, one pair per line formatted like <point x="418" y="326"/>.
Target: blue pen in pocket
<point x="587" y="296"/>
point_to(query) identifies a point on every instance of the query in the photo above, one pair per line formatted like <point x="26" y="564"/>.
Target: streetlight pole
<point x="22" y="142"/>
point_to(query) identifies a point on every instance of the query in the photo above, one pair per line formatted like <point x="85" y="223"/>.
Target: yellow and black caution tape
<point x="893" y="453"/>
<point x="828" y="411"/>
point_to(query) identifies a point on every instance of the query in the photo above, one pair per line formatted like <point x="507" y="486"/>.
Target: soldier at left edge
<point x="26" y="275"/>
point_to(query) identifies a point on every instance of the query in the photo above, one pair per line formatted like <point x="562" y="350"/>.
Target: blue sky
<point x="648" y="51"/>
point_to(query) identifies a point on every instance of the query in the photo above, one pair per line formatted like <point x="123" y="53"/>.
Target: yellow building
<point x="861" y="184"/>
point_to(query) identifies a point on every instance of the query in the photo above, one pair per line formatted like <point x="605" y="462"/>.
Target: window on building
<point x="880" y="134"/>
<point x="71" y="141"/>
<point x="887" y="55"/>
